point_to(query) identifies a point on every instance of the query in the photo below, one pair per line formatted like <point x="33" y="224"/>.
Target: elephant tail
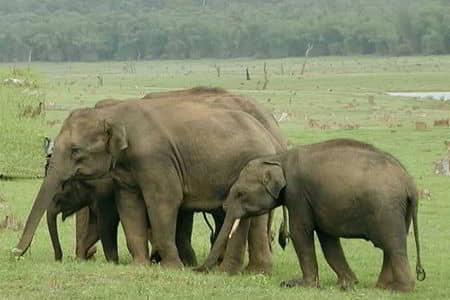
<point x="212" y="236"/>
<point x="413" y="200"/>
<point x="283" y="234"/>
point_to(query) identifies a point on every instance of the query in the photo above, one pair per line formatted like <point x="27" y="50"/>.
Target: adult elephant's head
<point x="87" y="147"/>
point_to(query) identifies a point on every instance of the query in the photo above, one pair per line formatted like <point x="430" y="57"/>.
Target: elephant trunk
<point x="229" y="226"/>
<point x="53" y="230"/>
<point x="42" y="201"/>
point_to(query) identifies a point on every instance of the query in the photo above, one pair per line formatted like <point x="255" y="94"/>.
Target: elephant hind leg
<point x="396" y="273"/>
<point x="183" y="237"/>
<point x="403" y="279"/>
<point x="334" y="254"/>
<point x="386" y="276"/>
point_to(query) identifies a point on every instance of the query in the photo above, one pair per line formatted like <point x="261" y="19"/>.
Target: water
<point x="427" y="95"/>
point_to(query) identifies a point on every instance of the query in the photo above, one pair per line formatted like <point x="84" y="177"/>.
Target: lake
<point x="429" y="95"/>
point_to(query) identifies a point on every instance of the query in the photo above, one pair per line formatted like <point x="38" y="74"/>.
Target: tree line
<point x="78" y="30"/>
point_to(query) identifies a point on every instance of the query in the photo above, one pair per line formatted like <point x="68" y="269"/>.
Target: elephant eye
<point x="239" y="194"/>
<point x="75" y="151"/>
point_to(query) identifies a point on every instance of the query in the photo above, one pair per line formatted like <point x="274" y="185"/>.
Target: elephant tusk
<point x="233" y="229"/>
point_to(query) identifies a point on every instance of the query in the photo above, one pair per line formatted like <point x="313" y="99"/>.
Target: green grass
<point x="334" y="91"/>
<point x="21" y="135"/>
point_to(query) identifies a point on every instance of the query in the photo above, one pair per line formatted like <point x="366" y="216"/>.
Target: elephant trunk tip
<point x="17" y="252"/>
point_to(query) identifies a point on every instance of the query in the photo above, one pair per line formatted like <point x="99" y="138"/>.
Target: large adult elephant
<point x="88" y="226"/>
<point x="174" y="156"/>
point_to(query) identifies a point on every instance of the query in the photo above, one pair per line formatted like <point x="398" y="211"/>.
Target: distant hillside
<point x="82" y="30"/>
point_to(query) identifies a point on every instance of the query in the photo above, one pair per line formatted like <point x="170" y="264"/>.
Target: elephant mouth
<point x="80" y="176"/>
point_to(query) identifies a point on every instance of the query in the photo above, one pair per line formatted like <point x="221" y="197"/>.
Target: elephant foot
<point x="172" y="264"/>
<point x="189" y="260"/>
<point x="138" y="261"/>
<point x="190" y="263"/>
<point x="91" y="252"/>
<point x="230" y="268"/>
<point x="347" y="283"/>
<point x="201" y="269"/>
<point x="397" y="286"/>
<point x="383" y="285"/>
<point x="300" y="282"/>
<point x="264" y="268"/>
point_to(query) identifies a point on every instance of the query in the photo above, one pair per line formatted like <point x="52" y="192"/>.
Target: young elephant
<point x="338" y="188"/>
<point x="99" y="220"/>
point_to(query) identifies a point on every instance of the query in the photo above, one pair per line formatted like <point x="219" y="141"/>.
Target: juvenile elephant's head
<point x="74" y="196"/>
<point x="255" y="192"/>
<point x="87" y="147"/>
<point x="257" y="189"/>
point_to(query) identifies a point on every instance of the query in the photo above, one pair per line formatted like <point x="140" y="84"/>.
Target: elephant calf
<point x="337" y="188"/>
<point x="99" y="219"/>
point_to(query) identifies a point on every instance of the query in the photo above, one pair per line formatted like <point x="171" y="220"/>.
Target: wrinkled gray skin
<point x="174" y="157"/>
<point x="97" y="219"/>
<point x="99" y="196"/>
<point x="87" y="227"/>
<point x="338" y="188"/>
<point x="101" y="218"/>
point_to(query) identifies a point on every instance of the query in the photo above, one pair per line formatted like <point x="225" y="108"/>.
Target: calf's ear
<point x="273" y="178"/>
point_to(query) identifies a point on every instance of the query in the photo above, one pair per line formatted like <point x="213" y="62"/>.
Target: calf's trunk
<point x="229" y="226"/>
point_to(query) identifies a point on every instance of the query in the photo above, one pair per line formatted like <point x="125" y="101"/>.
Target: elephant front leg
<point x="108" y="224"/>
<point x="302" y="234"/>
<point x="86" y="232"/>
<point x="163" y="197"/>
<point x="260" y="255"/>
<point x="133" y="216"/>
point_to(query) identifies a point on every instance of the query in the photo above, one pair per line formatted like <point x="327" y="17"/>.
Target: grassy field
<point x="336" y="97"/>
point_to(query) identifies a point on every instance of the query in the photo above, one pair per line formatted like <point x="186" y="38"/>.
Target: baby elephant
<point x="337" y="188"/>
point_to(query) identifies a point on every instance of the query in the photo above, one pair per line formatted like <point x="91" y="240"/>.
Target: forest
<point x="81" y="30"/>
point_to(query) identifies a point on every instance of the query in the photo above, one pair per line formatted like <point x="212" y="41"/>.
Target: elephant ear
<point x="116" y="140"/>
<point x="273" y="178"/>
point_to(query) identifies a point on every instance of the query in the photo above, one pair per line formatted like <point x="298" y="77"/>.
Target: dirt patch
<point x="443" y="122"/>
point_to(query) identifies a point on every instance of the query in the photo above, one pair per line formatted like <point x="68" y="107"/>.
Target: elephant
<point x="336" y="188"/>
<point x="101" y="218"/>
<point x="171" y="156"/>
<point x="237" y="103"/>
<point x="98" y="218"/>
